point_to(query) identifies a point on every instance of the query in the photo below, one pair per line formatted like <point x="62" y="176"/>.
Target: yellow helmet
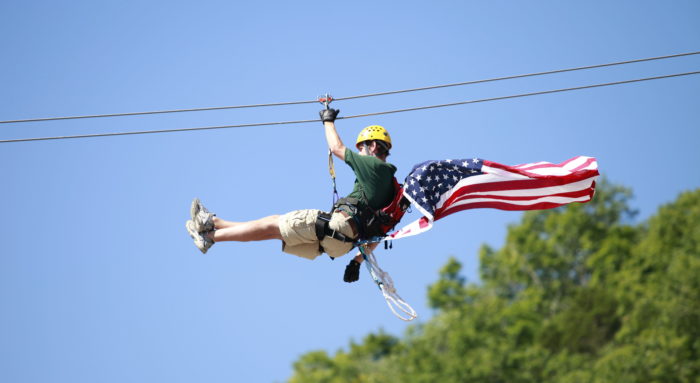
<point x="374" y="132"/>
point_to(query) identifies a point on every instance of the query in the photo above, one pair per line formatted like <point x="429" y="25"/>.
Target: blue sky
<point x="99" y="282"/>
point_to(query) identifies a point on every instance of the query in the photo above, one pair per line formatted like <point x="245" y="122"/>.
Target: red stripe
<point x="585" y="164"/>
<point x="520" y="184"/>
<point x="527" y="173"/>
<point x="571" y="194"/>
<point x="546" y="165"/>
<point x="575" y="194"/>
<point x="498" y="205"/>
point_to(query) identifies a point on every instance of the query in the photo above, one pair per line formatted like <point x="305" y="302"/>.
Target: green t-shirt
<point x="374" y="177"/>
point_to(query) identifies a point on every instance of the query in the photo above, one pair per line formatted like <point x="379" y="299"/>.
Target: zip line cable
<point x="358" y="115"/>
<point x="159" y="131"/>
<point x="352" y="97"/>
<point x="521" y="95"/>
<point x="158" y="112"/>
<point x="518" y="76"/>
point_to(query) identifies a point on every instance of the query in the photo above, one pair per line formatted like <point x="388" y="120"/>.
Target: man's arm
<point x="335" y="144"/>
<point x="352" y="270"/>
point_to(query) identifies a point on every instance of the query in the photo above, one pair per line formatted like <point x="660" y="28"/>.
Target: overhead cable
<point x="522" y="95"/>
<point x="158" y="112"/>
<point x="358" y="115"/>
<point x="353" y="97"/>
<point x="517" y="76"/>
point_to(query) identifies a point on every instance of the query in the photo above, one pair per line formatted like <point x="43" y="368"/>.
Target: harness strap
<point x="323" y="229"/>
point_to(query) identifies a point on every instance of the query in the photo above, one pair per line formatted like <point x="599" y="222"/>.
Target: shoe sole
<point x="192" y="231"/>
<point x="194" y="208"/>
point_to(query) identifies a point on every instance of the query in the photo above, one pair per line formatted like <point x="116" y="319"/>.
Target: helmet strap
<point x="384" y="147"/>
<point x="365" y="146"/>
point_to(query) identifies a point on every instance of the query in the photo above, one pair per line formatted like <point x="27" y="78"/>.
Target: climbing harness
<point x="376" y="222"/>
<point x="386" y="286"/>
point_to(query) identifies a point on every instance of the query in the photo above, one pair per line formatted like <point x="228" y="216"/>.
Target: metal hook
<point x="326" y="100"/>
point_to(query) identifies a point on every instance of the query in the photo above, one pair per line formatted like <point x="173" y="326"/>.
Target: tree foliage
<point x="576" y="294"/>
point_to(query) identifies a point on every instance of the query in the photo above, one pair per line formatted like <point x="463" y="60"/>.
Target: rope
<point x="359" y="115"/>
<point x="331" y="170"/>
<point x="386" y="286"/>
<point x="357" y="96"/>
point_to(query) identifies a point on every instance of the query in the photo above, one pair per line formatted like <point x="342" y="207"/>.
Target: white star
<point x="424" y="200"/>
<point x="455" y="178"/>
<point x="448" y="161"/>
<point x="445" y="177"/>
<point x="413" y="181"/>
<point x="473" y="171"/>
<point x="418" y="177"/>
<point x="428" y="179"/>
<point x="476" y="161"/>
<point x="414" y="193"/>
<point x="422" y="189"/>
<point x="425" y="168"/>
<point x="465" y="163"/>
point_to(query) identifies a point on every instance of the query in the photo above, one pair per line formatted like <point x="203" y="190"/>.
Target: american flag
<point x="440" y="188"/>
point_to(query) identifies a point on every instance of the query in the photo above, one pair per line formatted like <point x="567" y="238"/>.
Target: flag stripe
<point x="568" y="164"/>
<point x="504" y="206"/>
<point x="544" y="168"/>
<point x="573" y="197"/>
<point x="471" y="185"/>
<point x="591" y="164"/>
<point x="532" y="204"/>
<point x="527" y="197"/>
<point x="506" y="188"/>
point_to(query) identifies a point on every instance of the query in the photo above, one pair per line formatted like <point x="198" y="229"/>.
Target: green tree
<point x="659" y="289"/>
<point x="575" y="294"/>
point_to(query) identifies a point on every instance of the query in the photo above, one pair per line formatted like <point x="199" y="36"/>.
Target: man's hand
<point x="352" y="272"/>
<point x="329" y="115"/>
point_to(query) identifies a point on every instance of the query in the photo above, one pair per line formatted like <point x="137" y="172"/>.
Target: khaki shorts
<point x="298" y="229"/>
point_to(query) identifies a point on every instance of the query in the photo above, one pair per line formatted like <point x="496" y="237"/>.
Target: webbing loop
<point x="386" y="286"/>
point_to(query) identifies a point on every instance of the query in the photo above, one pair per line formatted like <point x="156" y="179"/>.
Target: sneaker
<point x="202" y="242"/>
<point x="202" y="218"/>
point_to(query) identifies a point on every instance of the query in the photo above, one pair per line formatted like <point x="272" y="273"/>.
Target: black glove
<point x="328" y="115"/>
<point x="352" y="272"/>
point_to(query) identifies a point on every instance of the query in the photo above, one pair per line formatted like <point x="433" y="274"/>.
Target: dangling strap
<point x="386" y="286"/>
<point x="331" y="170"/>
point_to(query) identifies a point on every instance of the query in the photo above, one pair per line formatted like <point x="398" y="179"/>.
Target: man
<point x="309" y="233"/>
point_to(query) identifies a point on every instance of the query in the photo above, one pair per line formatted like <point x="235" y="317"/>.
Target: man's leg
<point x="222" y="224"/>
<point x="258" y="230"/>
